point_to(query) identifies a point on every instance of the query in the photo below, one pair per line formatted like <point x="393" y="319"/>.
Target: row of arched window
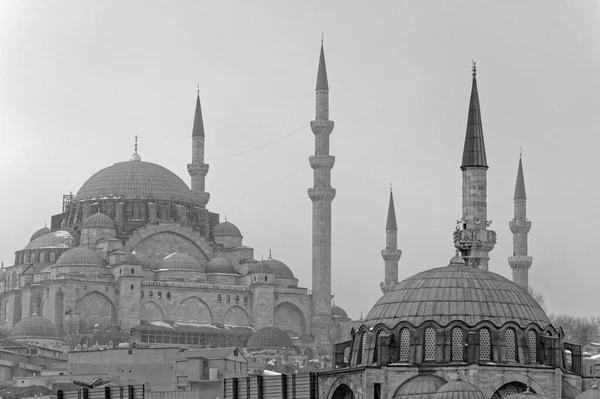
<point x="402" y="348"/>
<point x="36" y="256"/>
<point x="159" y="294"/>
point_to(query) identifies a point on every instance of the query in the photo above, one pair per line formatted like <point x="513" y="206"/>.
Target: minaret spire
<point x="135" y="156"/>
<point x="198" y="169"/>
<point x="520" y="262"/>
<point x="473" y="239"/>
<point x="391" y="254"/>
<point x="321" y="195"/>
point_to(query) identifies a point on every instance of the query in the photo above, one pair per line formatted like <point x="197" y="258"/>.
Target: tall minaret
<point x="321" y="195"/>
<point x="472" y="238"/>
<point x="520" y="226"/>
<point x="391" y="254"/>
<point x="198" y="169"/>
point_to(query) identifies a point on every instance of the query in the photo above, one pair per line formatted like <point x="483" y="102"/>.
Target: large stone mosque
<point x="136" y="251"/>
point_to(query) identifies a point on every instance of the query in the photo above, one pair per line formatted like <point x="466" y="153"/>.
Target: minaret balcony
<point x="202" y="198"/>
<point x="321" y="194"/>
<point x="469" y="238"/>
<point x="197" y="169"/>
<point x="519" y="226"/>
<point x="520" y="261"/>
<point x="391" y="254"/>
<point x="322" y="161"/>
<point x="321" y="126"/>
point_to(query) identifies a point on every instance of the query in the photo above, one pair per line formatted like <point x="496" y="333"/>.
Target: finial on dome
<point x="45" y="225"/>
<point x="270" y="257"/>
<point x="595" y="386"/>
<point x="135" y="157"/>
<point x="457" y="259"/>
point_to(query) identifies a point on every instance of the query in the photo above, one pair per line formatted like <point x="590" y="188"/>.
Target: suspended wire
<point x="259" y="147"/>
<point x="289" y="177"/>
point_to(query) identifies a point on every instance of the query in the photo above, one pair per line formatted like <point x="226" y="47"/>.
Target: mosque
<point x="136" y="252"/>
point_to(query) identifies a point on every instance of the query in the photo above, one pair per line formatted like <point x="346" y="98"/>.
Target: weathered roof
<point x="391" y="216"/>
<point x="35" y="327"/>
<point x="474" y="150"/>
<point x="54" y="239"/>
<point x="226" y="229"/>
<point x="219" y="264"/>
<point x="131" y="179"/>
<point x="457" y="292"/>
<point x="212" y="353"/>
<point x="419" y="387"/>
<point x="198" y="129"/>
<point x="80" y="256"/>
<point x="336" y="311"/>
<point x="279" y="268"/>
<point x="458" y="390"/>
<point x="269" y="338"/>
<point x="98" y="219"/>
<point x="43" y="231"/>
<point x="322" y="83"/>
<point x="520" y="186"/>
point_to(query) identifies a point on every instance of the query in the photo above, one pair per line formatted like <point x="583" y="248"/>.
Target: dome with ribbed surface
<point x="420" y="387"/>
<point x="226" y="229"/>
<point x="592" y="393"/>
<point x="457" y="292"/>
<point x="98" y="220"/>
<point x="458" y="390"/>
<point x="269" y="338"/>
<point x="135" y="179"/>
<point x="54" y="239"/>
<point x="220" y="265"/>
<point x="279" y="268"/>
<point x="35" y="327"/>
<point x="336" y="311"/>
<point x="43" y="231"/>
<point x="259" y="267"/>
<point x="527" y="395"/>
<point x="569" y="391"/>
<point x="180" y="261"/>
<point x="80" y="256"/>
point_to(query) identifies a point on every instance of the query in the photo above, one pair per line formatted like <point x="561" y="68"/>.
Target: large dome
<point x="43" y="231"/>
<point x="135" y="179"/>
<point x="456" y="292"/>
<point x="35" y="327"/>
<point x="55" y="239"/>
<point x="279" y="268"/>
<point x="269" y="338"/>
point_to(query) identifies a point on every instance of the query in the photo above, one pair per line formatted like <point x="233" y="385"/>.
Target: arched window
<point x="457" y="344"/>
<point x="378" y="346"/>
<point x="359" y="352"/>
<point x="42" y="256"/>
<point x="52" y="256"/>
<point x="532" y="341"/>
<point x="168" y="295"/>
<point x="429" y="343"/>
<point x="363" y="346"/>
<point x="509" y="338"/>
<point x="485" y="350"/>
<point x="404" y="345"/>
<point x="150" y="294"/>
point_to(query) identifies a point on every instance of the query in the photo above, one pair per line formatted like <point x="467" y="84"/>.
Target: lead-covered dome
<point x="420" y="387"/>
<point x="459" y="390"/>
<point x="179" y="261"/>
<point x="592" y="393"/>
<point x="43" y="231"/>
<point x="270" y="338"/>
<point x="279" y="268"/>
<point x="80" y="256"/>
<point x="336" y="311"/>
<point x="135" y="179"/>
<point x="35" y="327"/>
<point x="219" y="264"/>
<point x="457" y="292"/>
<point x="54" y="239"/>
<point x="98" y="220"/>
<point x="226" y="229"/>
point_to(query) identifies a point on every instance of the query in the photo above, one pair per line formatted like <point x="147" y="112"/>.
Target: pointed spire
<point x="322" y="74"/>
<point x="198" y="129"/>
<point x="474" y="150"/>
<point x="135" y="156"/>
<point x="391" y="216"/>
<point x="270" y="257"/>
<point x="520" y="186"/>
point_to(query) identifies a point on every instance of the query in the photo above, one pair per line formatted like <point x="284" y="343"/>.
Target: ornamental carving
<point x="474" y="235"/>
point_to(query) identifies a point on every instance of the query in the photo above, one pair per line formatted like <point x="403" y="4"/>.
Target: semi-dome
<point x="98" y="220"/>
<point x="226" y="229"/>
<point x="35" y="327"/>
<point x="179" y="261"/>
<point x="80" y="256"/>
<point x="269" y="338"/>
<point x="54" y="239"/>
<point x="279" y="268"/>
<point x="336" y="311"/>
<point x="457" y="292"/>
<point x="135" y="179"/>
<point x="420" y="387"/>
<point x="592" y="393"/>
<point x="458" y="390"/>
<point x="220" y="265"/>
<point x="43" y="231"/>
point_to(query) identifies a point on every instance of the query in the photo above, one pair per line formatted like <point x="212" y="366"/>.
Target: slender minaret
<point x="472" y="238"/>
<point x="520" y="226"/>
<point x="321" y="195"/>
<point x="391" y="254"/>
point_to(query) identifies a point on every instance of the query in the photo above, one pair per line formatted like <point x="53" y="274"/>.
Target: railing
<point x="195" y="285"/>
<point x="296" y="291"/>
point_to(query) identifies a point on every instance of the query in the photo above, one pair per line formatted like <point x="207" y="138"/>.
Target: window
<point x="364" y="348"/>
<point x="168" y="295"/>
<point x="132" y="271"/>
<point x="131" y="286"/>
<point x="266" y="278"/>
<point x="380" y="335"/>
<point x="150" y="294"/>
<point x="484" y="344"/>
<point x="509" y="338"/>
<point x="404" y="345"/>
<point x="42" y="257"/>
<point x="532" y="341"/>
<point x="457" y="344"/>
<point x="429" y="343"/>
<point x="52" y="256"/>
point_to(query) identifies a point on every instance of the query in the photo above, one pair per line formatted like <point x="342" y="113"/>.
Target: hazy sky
<point x="78" y="79"/>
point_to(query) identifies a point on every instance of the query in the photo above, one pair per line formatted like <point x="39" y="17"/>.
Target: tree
<point x="539" y="298"/>
<point x="73" y="327"/>
<point x="578" y="330"/>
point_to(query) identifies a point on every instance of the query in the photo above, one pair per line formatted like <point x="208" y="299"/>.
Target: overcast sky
<point x="79" y="79"/>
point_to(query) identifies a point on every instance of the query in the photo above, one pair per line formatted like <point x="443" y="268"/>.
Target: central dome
<point x="135" y="179"/>
<point x="457" y="292"/>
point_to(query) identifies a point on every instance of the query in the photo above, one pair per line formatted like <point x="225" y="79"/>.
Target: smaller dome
<point x="270" y="338"/>
<point x="98" y="220"/>
<point x="55" y="239"/>
<point x="279" y="268"/>
<point x="420" y="387"/>
<point x="336" y="311"/>
<point x="226" y="229"/>
<point x="220" y="265"/>
<point x="35" y="327"/>
<point x="179" y="261"/>
<point x="526" y="395"/>
<point x="458" y="390"/>
<point x="592" y="393"/>
<point x="259" y="267"/>
<point x="80" y="256"/>
<point x="129" y="259"/>
<point x="43" y="231"/>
